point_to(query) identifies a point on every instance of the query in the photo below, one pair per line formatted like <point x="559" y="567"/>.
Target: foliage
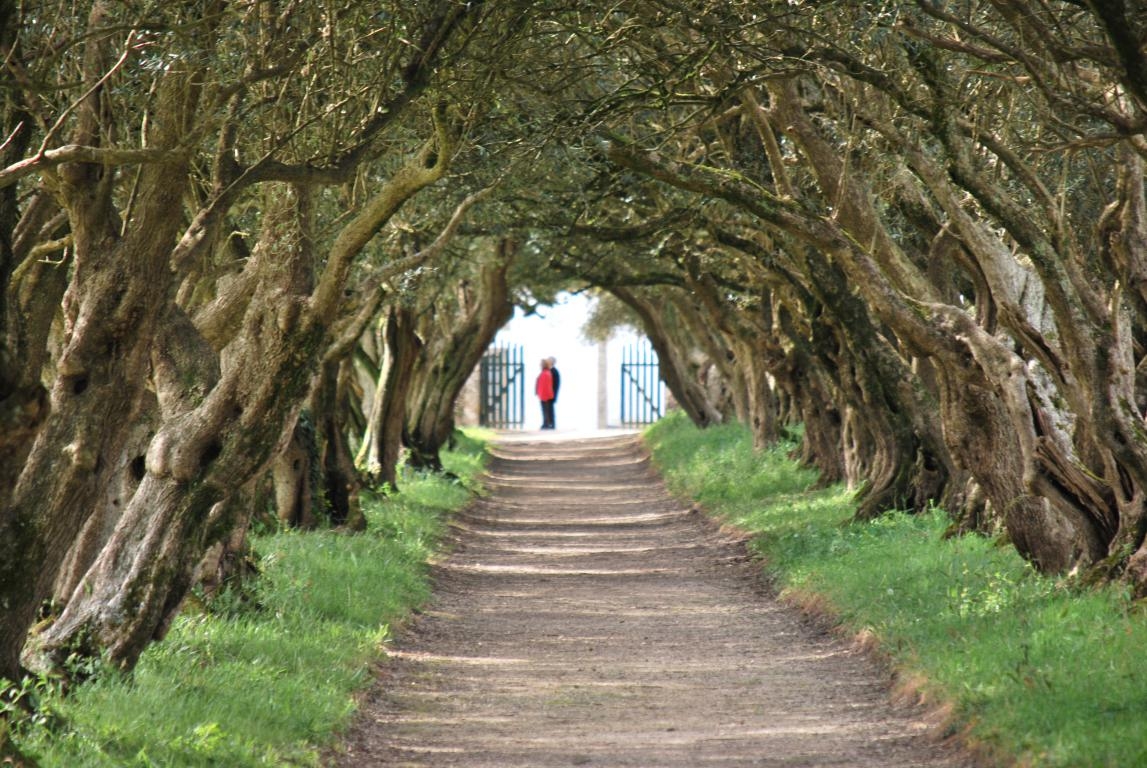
<point x="607" y="317"/>
<point x="264" y="680"/>
<point x="1036" y="668"/>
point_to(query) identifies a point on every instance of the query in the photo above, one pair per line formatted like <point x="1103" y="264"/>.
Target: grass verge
<point x="1036" y="671"/>
<point x="266" y="678"/>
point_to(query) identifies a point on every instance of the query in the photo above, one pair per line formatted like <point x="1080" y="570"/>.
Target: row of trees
<point x="918" y="228"/>
<point x="206" y="206"/>
<point x="252" y="239"/>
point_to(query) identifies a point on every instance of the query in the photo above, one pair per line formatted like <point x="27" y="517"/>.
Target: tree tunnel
<point x="250" y="255"/>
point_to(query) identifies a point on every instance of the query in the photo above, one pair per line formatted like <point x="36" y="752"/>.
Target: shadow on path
<point x="587" y="618"/>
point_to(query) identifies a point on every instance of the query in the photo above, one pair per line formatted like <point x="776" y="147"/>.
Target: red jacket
<point x="545" y="385"/>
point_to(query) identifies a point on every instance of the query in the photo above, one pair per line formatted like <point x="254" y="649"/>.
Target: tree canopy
<point x="237" y="231"/>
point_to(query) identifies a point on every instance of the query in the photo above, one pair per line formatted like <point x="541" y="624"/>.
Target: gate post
<point x="602" y="385"/>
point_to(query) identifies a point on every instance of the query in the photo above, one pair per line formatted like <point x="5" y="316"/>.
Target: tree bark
<point x="447" y="359"/>
<point x="113" y="307"/>
<point x="330" y="404"/>
<point x="404" y="348"/>
<point x="294" y="474"/>
<point x="201" y="455"/>
<point x="120" y="482"/>
<point x="23" y="399"/>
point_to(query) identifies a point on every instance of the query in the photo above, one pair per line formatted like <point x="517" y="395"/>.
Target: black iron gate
<point x="641" y="388"/>
<point x="502" y="388"/>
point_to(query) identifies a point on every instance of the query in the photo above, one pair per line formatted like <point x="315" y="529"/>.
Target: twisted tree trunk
<point x="1048" y="526"/>
<point x="672" y="364"/>
<point x="449" y="357"/>
<point x="403" y="350"/>
<point x="114" y="306"/>
<point x="341" y="483"/>
<point x="217" y="437"/>
<point x="207" y="446"/>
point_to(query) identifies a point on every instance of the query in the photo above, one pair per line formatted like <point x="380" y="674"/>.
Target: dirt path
<point x="586" y="618"/>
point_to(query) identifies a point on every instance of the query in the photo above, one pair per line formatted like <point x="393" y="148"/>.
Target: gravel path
<point x="587" y="618"/>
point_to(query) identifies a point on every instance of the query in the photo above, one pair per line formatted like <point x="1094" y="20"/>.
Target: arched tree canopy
<point x="230" y="230"/>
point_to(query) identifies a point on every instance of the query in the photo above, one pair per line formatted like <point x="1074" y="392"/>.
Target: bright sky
<point x="556" y="331"/>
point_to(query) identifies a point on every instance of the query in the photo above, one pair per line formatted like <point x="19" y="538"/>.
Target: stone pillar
<point x="466" y="412"/>
<point x="602" y="385"/>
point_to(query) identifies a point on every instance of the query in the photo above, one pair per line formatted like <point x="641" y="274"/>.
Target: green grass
<point x="269" y="678"/>
<point x="1035" y="668"/>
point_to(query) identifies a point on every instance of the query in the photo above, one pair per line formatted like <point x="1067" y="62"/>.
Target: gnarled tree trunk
<point x="340" y="483"/>
<point x="207" y="445"/>
<point x="403" y="350"/>
<point x="449" y="357"/>
<point x="114" y="306"/>
<point x="216" y="439"/>
<point x="672" y="364"/>
<point x="294" y="476"/>
<point x="1051" y="530"/>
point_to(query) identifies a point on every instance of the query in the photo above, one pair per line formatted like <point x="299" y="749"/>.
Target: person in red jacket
<point x="544" y="388"/>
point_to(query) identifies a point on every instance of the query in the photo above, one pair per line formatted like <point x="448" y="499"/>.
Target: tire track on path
<point x="585" y="617"/>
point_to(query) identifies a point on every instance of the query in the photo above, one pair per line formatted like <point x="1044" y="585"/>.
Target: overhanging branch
<point x="77" y="153"/>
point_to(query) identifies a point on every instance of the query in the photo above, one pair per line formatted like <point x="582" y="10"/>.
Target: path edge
<point x="906" y="688"/>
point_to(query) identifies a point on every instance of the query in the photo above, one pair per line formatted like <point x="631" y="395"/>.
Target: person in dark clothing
<point x="544" y="388"/>
<point x="557" y="385"/>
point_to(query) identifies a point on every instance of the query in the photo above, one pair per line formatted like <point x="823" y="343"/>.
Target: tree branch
<point x="76" y="153"/>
